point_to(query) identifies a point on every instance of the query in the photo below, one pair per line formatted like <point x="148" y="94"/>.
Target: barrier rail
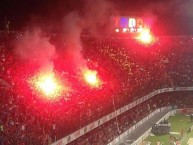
<point x="116" y="113"/>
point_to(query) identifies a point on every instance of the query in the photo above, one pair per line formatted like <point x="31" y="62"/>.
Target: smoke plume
<point x="35" y="46"/>
<point x="94" y="15"/>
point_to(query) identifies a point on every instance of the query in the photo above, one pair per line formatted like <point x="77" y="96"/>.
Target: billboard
<point x="126" y="24"/>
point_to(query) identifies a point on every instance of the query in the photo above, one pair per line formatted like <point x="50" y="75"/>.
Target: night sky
<point x="171" y="17"/>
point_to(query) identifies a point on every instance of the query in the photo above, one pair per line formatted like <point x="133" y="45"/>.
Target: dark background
<point x="170" y="17"/>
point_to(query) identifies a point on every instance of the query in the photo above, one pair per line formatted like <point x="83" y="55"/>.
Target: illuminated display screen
<point x="125" y="24"/>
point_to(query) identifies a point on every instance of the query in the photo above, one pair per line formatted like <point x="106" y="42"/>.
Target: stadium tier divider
<point x="73" y="136"/>
<point x="148" y="132"/>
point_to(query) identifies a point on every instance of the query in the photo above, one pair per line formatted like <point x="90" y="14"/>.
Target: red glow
<point x="90" y="76"/>
<point x="47" y="84"/>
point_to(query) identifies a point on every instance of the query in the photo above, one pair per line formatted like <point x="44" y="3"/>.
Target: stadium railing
<point x="116" y="113"/>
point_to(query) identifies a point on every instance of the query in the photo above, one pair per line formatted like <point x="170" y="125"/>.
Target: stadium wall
<point x="148" y="132"/>
<point x="116" y="113"/>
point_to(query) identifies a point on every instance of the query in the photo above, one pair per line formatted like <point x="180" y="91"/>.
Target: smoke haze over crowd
<point x="32" y="47"/>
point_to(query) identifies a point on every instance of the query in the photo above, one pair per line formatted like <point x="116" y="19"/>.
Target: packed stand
<point x="130" y="70"/>
<point x="112" y="129"/>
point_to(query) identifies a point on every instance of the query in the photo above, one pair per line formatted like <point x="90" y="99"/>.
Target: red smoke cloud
<point x="35" y="46"/>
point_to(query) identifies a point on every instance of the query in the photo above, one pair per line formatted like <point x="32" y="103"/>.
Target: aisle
<point x="135" y="134"/>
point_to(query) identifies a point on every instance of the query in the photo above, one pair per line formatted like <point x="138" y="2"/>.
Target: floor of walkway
<point x="140" y="130"/>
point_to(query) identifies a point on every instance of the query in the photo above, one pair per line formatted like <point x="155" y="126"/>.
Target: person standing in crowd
<point x="191" y="117"/>
<point x="6" y="25"/>
<point x="158" y="143"/>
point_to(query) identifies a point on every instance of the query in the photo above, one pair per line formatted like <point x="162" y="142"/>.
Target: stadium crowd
<point x="129" y="69"/>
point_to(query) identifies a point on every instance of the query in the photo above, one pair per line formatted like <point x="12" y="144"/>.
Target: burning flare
<point x="145" y="36"/>
<point x="90" y="76"/>
<point x="47" y="84"/>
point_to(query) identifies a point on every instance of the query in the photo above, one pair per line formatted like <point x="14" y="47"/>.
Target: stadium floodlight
<point x="124" y="30"/>
<point x="117" y="30"/>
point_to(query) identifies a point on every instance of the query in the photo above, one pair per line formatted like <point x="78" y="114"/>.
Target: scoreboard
<point x="126" y="24"/>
